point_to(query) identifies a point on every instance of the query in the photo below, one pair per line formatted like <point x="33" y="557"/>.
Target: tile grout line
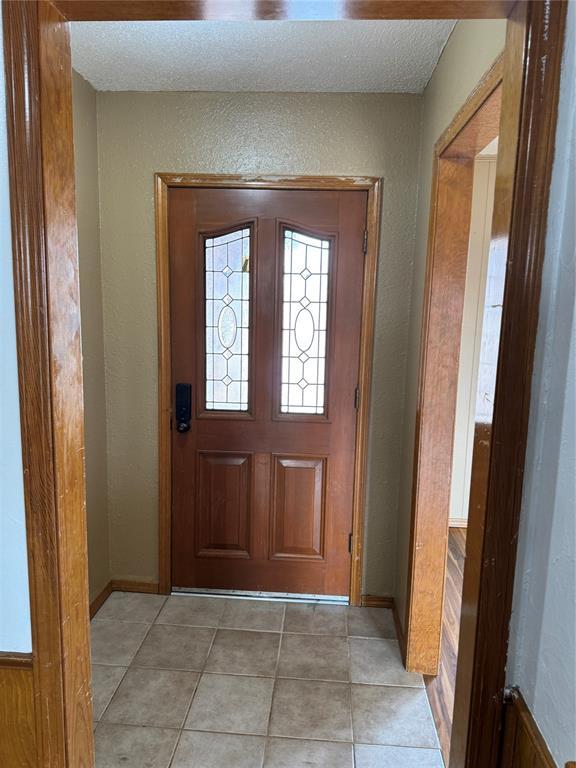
<point x="246" y="629"/>
<point x="314" y="739"/>
<point x="349" y="638"/>
<point x="348" y="635"/>
<point x="338" y="682"/>
<point x="155" y="668"/>
<point x="201" y="674"/>
<point x="187" y="714"/>
<point x="282" y="632"/>
<point x="111" y="696"/>
<point x="129" y="665"/>
<point x="267" y="736"/>
<point x="391" y="745"/>
<point x="132" y="666"/>
<point x="349" y="644"/>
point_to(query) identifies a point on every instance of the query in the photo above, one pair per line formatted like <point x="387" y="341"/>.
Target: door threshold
<point x="285" y="597"/>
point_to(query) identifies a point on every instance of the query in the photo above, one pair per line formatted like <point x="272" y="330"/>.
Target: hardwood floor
<point x="440" y="689"/>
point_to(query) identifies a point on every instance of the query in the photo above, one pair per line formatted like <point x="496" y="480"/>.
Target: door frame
<point x="525" y="155"/>
<point x="39" y="107"/>
<point x="163" y="183"/>
<point x="473" y="127"/>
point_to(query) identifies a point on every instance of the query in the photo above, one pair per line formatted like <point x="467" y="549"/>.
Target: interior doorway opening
<point x="481" y="317"/>
<point x="459" y="359"/>
<point x="212" y="549"/>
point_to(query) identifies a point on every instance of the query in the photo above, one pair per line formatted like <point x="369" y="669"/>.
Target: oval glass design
<point x="304" y="330"/>
<point x="306" y="264"/>
<point x="227" y="307"/>
<point x="227" y="327"/>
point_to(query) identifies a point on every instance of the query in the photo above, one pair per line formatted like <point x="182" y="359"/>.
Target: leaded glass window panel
<point x="227" y="276"/>
<point x="306" y="262"/>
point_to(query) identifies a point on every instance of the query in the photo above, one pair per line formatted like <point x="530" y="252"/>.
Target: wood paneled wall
<point x="17" y="727"/>
<point x="524" y="745"/>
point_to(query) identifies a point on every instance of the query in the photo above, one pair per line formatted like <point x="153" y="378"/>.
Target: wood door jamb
<point x="269" y="10"/>
<point x="373" y="186"/>
<point x="447" y="252"/>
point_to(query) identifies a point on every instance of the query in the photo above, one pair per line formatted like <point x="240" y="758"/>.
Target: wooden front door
<point x="266" y="298"/>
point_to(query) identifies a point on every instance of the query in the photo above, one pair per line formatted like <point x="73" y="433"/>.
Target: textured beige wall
<point x="140" y="133"/>
<point x="469" y="53"/>
<point x="86" y="155"/>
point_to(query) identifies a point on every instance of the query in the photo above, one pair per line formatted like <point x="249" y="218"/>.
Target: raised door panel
<point x="224" y="498"/>
<point x="298" y="508"/>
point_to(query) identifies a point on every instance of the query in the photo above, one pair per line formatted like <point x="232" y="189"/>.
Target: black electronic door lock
<point x="183" y="407"/>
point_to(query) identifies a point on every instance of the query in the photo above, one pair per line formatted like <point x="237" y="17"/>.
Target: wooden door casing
<point x="262" y="500"/>
<point x="303" y="10"/>
<point x="476" y="124"/>
<point x="47" y="309"/>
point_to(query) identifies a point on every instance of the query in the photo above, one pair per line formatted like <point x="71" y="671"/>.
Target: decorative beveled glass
<point x="227" y="286"/>
<point x="306" y="262"/>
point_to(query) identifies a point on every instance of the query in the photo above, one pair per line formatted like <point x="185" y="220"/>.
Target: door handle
<point x="183" y="407"/>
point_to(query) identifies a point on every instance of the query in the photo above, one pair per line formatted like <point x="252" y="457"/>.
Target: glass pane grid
<point x="227" y="284"/>
<point x="304" y="318"/>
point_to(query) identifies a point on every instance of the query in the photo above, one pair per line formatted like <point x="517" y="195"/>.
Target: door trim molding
<point x="303" y="10"/>
<point x="47" y="311"/>
<point x="9" y="660"/>
<point x="474" y="125"/>
<point x="532" y="68"/>
<point x="373" y="186"/>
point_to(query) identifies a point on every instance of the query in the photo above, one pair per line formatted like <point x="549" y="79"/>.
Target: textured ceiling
<point x="347" y="56"/>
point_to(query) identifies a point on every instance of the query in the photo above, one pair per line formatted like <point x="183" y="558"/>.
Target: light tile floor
<point x="202" y="682"/>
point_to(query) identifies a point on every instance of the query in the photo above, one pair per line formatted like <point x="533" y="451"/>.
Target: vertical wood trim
<point x="472" y="323"/>
<point x="30" y="286"/>
<point x="41" y="164"/>
<point x="67" y="394"/>
<point x="365" y="387"/>
<point x="164" y="388"/>
<point x="437" y="408"/>
<point x="514" y="52"/>
<point x="448" y="245"/>
<point x="539" y="89"/>
<point x="472" y="127"/>
<point x="163" y="181"/>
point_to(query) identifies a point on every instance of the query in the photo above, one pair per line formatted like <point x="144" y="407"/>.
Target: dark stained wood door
<point x="266" y="294"/>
